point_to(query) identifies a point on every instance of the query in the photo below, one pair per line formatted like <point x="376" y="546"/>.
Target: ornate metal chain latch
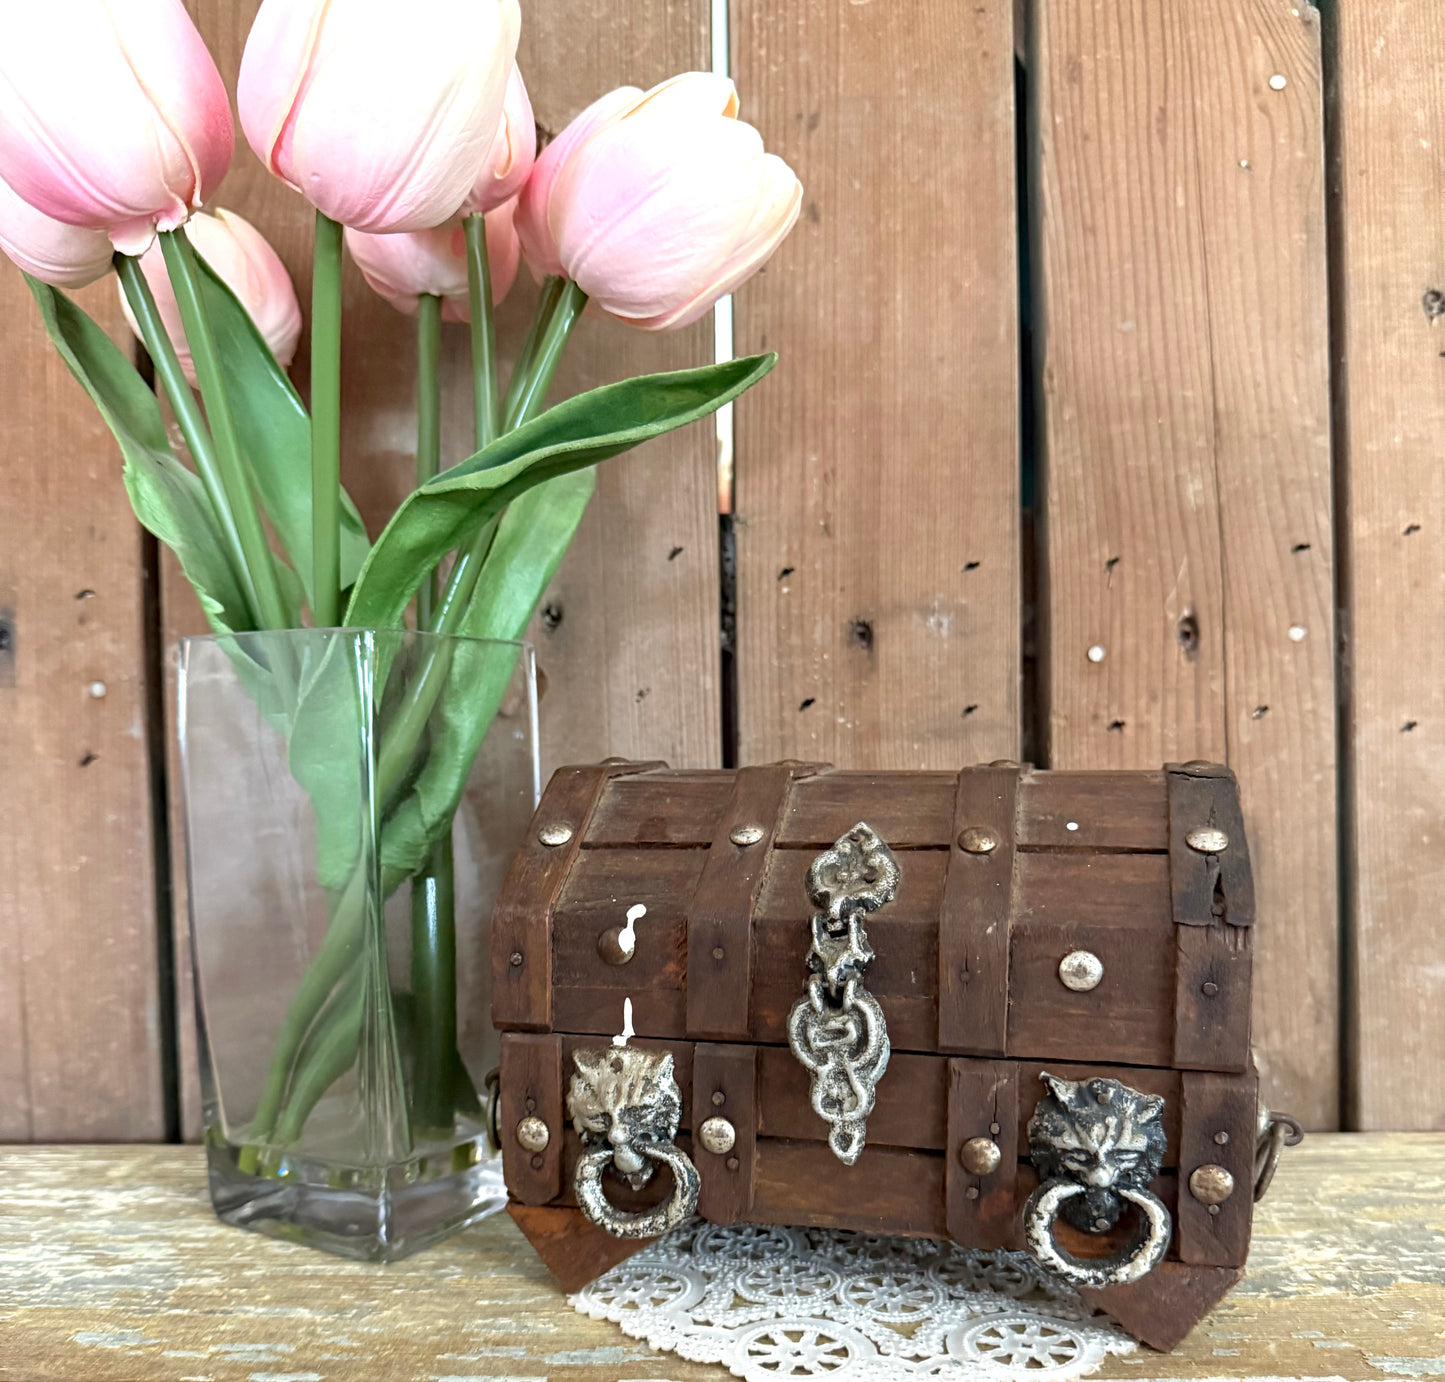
<point x="838" y="1031"/>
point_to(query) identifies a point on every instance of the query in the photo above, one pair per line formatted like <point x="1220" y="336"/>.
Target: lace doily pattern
<point x="770" y="1303"/>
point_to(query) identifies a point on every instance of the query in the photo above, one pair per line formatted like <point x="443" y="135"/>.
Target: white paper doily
<point x="770" y="1303"/>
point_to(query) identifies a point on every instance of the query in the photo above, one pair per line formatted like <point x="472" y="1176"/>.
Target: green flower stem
<point x="428" y="421"/>
<point x="185" y="275"/>
<point x="546" y="305"/>
<point x="484" y="336"/>
<point x="333" y="1054"/>
<point x="339" y="951"/>
<point x="326" y="423"/>
<point x="188" y="414"/>
<point x="543" y="365"/>
<point x="411" y="717"/>
<point x="433" y="891"/>
<point x="434" y="987"/>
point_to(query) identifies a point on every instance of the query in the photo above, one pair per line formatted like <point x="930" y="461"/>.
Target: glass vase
<point x="352" y="798"/>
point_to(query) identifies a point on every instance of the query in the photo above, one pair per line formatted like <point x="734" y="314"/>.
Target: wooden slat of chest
<point x="1113" y="904"/>
<point x="909" y="810"/>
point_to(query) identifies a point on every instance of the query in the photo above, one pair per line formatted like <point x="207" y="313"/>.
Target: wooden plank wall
<point x="80" y="1011"/>
<point x="1181" y="316"/>
<point x="877" y="510"/>
<point x="1182" y="290"/>
<point x="1389" y="177"/>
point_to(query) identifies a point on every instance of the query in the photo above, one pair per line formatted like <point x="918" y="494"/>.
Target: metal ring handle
<point x="1277" y="1131"/>
<point x="1140" y="1258"/>
<point x="650" y="1223"/>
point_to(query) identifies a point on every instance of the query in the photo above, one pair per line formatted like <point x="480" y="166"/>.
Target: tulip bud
<point x="381" y="120"/>
<point x="513" y="150"/>
<point x="111" y="117"/>
<point x="242" y="259"/>
<point x="55" y="253"/>
<point x="402" y="268"/>
<point x="658" y="204"/>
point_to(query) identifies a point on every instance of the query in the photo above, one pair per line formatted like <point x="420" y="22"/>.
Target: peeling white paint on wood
<point x="112" y="1267"/>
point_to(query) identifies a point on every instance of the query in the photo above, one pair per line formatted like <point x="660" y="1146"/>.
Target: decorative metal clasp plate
<point x="837" y="1031"/>
<point x="626" y="1107"/>
<point x="1097" y="1144"/>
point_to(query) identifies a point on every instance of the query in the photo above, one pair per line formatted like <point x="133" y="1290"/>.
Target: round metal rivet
<point x="994" y="1129"/>
<point x="1101" y="1224"/>
<point x="718" y="952"/>
<point x="538" y="1162"/>
<point x="1207" y="839"/>
<point x="610" y="947"/>
<point x="718" y="1098"/>
<point x="1081" y="970"/>
<point x="978" y="839"/>
<point x="1209" y="988"/>
<point x="980" y="1156"/>
<point x="1221" y="1139"/>
<point x="732" y="1163"/>
<point x="515" y="960"/>
<point x="533" y="1135"/>
<point x="1211" y="1184"/>
<point x="1214" y="1209"/>
<point x="971" y="1193"/>
<point x="718" y="1136"/>
<point x="558" y="833"/>
<point x="746" y="834"/>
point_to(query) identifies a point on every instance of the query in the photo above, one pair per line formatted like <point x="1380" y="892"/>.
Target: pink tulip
<point x="380" y="115"/>
<point x="657" y="204"/>
<point x="533" y="205"/>
<point x="55" y="253"/>
<point x="112" y="117"/>
<point x="509" y="161"/>
<point x="401" y="268"/>
<point x="242" y="259"/>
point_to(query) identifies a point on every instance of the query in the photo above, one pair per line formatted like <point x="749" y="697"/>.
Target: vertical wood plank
<point x="1180" y="233"/>
<point x="79" y="995"/>
<point x="976" y="918"/>
<point x="983" y="1102"/>
<point x="1218" y="1127"/>
<point x="1390" y="127"/>
<point x="531" y="1087"/>
<point x="725" y="1085"/>
<point x="877" y="511"/>
<point x="629" y="635"/>
<point x="719" y="917"/>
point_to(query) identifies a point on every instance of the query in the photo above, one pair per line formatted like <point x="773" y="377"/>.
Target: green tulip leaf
<point x="168" y="499"/>
<point x="275" y="434"/>
<point x="531" y="540"/>
<point x="445" y="512"/>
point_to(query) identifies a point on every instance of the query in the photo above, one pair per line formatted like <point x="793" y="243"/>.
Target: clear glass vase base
<point x="368" y="1214"/>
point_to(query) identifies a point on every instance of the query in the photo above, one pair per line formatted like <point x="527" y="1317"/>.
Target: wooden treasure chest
<point x="1005" y="1007"/>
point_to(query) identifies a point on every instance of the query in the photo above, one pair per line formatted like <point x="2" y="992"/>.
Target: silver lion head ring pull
<point x="1097" y="1144"/>
<point x="626" y="1107"/>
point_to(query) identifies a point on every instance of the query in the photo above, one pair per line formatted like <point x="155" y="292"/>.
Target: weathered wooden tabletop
<point x="112" y="1267"/>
